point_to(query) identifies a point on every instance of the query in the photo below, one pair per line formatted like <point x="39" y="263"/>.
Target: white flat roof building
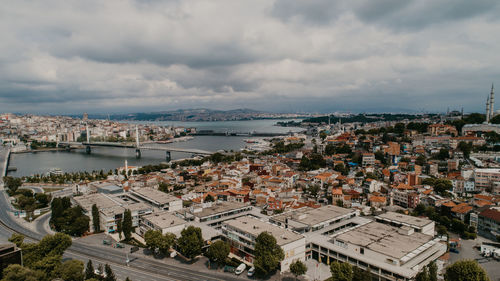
<point x="111" y="209"/>
<point x="219" y="210"/>
<point x="389" y="252"/>
<point x="421" y="225"/>
<point x="163" y="221"/>
<point x="158" y="199"/>
<point x="310" y="219"/>
<point x="242" y="232"/>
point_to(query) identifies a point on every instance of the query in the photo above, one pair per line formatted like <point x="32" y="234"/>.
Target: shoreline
<point x="39" y="150"/>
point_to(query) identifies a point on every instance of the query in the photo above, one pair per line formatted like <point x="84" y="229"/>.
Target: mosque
<point x="490" y="113"/>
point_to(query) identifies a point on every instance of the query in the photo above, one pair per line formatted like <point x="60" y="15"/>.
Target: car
<point x="119" y="245"/>
<point x="98" y="272"/>
<point x="134" y="249"/>
<point x="251" y="271"/>
<point x="454" y="250"/>
<point x="240" y="269"/>
<point x="228" y="268"/>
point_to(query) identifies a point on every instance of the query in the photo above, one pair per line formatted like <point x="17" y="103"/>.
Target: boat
<point x="55" y="172"/>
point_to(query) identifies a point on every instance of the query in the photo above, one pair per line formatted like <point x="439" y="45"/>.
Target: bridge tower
<point x="87" y="148"/>
<point x="137" y="144"/>
<point x="168" y="156"/>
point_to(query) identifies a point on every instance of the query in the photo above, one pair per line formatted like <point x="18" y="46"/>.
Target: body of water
<point x="109" y="158"/>
<point x="258" y="126"/>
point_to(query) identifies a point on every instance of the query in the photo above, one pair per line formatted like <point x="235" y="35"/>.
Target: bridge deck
<point x="149" y="147"/>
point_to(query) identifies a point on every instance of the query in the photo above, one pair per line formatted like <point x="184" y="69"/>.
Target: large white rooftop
<point x="255" y="227"/>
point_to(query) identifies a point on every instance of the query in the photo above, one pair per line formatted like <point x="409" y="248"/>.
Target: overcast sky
<point x="283" y="55"/>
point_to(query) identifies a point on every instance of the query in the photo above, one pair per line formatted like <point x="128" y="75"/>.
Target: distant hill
<point x="363" y="118"/>
<point x="196" y="114"/>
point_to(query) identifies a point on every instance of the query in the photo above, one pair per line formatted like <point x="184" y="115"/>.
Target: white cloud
<point x="64" y="56"/>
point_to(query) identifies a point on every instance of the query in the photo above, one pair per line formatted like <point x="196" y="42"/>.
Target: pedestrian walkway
<point x="317" y="270"/>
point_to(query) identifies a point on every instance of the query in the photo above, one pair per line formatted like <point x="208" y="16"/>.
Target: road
<point x="35" y="189"/>
<point x="139" y="269"/>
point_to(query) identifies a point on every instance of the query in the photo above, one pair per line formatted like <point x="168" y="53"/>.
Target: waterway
<point x="108" y="158"/>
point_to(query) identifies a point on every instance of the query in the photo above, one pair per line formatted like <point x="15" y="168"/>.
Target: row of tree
<point x="67" y="219"/>
<point x="189" y="244"/>
<point x="465" y="270"/>
<point x="42" y="261"/>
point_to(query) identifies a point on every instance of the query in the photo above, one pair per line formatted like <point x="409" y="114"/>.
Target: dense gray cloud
<point x="315" y="55"/>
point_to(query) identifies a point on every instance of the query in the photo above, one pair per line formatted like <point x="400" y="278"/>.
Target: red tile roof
<point x="491" y="214"/>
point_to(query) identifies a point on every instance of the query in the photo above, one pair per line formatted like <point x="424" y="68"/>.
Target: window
<point x="362" y="251"/>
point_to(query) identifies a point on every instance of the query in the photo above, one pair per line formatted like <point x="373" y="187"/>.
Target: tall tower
<point x="487" y="110"/>
<point x="492" y="102"/>
<point x="137" y="144"/>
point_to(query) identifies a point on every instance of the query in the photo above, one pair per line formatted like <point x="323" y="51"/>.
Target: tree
<point x="359" y="274"/>
<point x="443" y="154"/>
<point x="71" y="270"/>
<point x="466" y="148"/>
<point x="441" y="230"/>
<point x="268" y="254"/>
<point x="12" y="184"/>
<point x="218" y="251"/>
<point x="95" y="218"/>
<point x="108" y="272"/>
<point x="465" y="270"/>
<point x="67" y="219"/>
<point x="442" y="186"/>
<point x="152" y="239"/>
<point x="298" y="268"/>
<point x="119" y="227"/>
<point x="209" y="198"/>
<point x="17" y="239"/>
<point x="423" y="275"/>
<point x="127" y="224"/>
<point x="433" y="271"/>
<point x="49" y="246"/>
<point x="339" y="203"/>
<point x="191" y="242"/>
<point x="89" y="270"/>
<point x="16" y="272"/>
<point x="341" y="271"/>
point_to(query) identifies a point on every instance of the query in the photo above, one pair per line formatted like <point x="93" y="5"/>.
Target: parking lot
<point x="467" y="251"/>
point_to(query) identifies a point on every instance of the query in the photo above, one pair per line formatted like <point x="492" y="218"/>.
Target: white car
<point x="240" y="269"/>
<point x="251" y="271"/>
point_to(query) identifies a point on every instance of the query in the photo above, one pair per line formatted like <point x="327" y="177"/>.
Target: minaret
<point x="487" y="110"/>
<point x="492" y="102"/>
<point x="126" y="167"/>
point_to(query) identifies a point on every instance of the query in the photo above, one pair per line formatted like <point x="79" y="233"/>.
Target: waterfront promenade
<point x="4" y="163"/>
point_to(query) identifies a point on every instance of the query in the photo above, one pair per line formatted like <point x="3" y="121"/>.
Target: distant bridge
<point x="137" y="145"/>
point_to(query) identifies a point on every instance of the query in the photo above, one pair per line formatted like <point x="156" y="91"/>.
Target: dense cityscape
<point x="398" y="198"/>
<point x="273" y="140"/>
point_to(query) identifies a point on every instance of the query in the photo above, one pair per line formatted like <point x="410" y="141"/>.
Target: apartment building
<point x="405" y="198"/>
<point x="488" y="222"/>
<point x="368" y="159"/>
<point x="485" y="178"/>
